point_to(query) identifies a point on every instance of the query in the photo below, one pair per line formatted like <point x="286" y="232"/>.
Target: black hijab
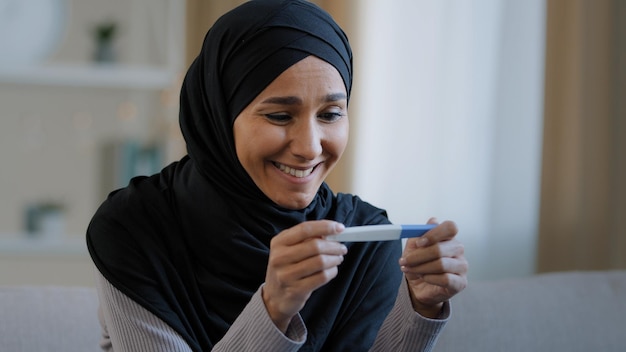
<point x="191" y="243"/>
<point x="243" y="52"/>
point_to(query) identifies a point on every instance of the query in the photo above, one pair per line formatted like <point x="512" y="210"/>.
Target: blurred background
<point x="505" y="116"/>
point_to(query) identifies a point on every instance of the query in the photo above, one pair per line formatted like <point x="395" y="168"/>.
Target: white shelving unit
<point x="91" y="75"/>
<point x="21" y="245"/>
<point x="136" y="78"/>
<point x="146" y="16"/>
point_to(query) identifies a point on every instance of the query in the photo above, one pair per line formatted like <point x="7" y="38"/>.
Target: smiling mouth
<point x="294" y="172"/>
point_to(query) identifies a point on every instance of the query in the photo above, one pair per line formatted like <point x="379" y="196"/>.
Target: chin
<point x="295" y="203"/>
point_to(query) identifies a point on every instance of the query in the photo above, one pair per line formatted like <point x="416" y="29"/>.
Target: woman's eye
<point x="279" y="118"/>
<point x="330" y="116"/>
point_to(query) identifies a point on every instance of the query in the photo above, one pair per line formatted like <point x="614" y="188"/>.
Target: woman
<point x="226" y="249"/>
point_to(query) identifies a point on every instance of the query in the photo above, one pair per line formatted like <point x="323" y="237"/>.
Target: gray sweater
<point x="127" y="326"/>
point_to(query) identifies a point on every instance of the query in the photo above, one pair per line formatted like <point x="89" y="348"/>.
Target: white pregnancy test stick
<point x="380" y="232"/>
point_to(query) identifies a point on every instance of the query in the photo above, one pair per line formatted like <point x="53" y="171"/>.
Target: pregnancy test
<point x="380" y="232"/>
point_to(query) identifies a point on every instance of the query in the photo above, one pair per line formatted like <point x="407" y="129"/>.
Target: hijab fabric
<point x="191" y="243"/>
<point x="244" y="52"/>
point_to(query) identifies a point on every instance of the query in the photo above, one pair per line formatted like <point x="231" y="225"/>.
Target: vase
<point x="105" y="52"/>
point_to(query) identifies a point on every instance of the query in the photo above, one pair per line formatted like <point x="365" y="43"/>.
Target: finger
<point x="303" y="241"/>
<point x="422" y="240"/>
<point x="309" y="274"/>
<point x="445" y="231"/>
<point x="307" y="230"/>
<point x="319" y="279"/>
<point x="419" y="256"/>
<point x="290" y="255"/>
<point x="316" y="247"/>
<point x="313" y="265"/>
<point x="451" y="282"/>
<point x="456" y="266"/>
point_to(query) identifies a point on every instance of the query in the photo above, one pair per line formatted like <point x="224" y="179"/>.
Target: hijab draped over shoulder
<point x="191" y="243"/>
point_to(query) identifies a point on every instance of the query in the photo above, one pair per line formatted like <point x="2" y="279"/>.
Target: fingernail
<point x="339" y="227"/>
<point x="344" y="249"/>
<point x="402" y="261"/>
<point x="421" y="241"/>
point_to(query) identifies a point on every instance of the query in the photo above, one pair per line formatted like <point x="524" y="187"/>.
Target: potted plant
<point x="104" y="36"/>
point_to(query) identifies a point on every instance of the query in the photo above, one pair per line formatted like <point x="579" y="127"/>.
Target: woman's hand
<point x="300" y="261"/>
<point x="435" y="268"/>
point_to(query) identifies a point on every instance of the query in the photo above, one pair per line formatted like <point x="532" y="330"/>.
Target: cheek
<point x="255" y="143"/>
<point x="338" y="139"/>
<point x="244" y="143"/>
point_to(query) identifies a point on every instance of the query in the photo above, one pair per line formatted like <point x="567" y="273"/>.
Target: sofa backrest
<point x="48" y="318"/>
<point x="566" y="311"/>
<point x="574" y="311"/>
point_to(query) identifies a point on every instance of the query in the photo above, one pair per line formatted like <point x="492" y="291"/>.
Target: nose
<point x="306" y="139"/>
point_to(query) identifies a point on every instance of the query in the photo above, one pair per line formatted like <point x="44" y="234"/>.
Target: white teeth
<point x="294" y="172"/>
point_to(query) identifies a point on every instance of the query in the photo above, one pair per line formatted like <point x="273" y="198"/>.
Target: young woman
<point x="227" y="249"/>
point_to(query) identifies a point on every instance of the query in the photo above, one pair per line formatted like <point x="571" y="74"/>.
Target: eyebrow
<point x="335" y="97"/>
<point x="293" y="100"/>
<point x="289" y="100"/>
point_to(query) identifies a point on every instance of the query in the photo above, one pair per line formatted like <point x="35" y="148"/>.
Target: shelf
<point x="90" y="75"/>
<point x="24" y="246"/>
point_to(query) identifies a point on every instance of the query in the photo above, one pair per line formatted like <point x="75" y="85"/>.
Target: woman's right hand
<point x="301" y="260"/>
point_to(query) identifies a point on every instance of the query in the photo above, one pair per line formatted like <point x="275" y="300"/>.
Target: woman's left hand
<point x="435" y="268"/>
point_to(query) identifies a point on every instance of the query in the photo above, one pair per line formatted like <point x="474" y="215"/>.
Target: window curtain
<point x="583" y="191"/>
<point x="447" y="121"/>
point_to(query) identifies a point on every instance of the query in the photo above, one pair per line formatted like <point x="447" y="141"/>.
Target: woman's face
<point x="293" y="133"/>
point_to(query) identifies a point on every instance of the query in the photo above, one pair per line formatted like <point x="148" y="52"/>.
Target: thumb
<point x="433" y="220"/>
<point x="423" y="241"/>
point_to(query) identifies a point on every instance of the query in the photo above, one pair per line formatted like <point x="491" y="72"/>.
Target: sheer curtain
<point x="447" y="121"/>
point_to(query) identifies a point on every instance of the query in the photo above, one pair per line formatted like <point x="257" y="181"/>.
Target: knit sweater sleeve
<point x="406" y="330"/>
<point x="127" y="326"/>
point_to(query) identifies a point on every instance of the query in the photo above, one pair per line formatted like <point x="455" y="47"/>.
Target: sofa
<point x="565" y="311"/>
<point x="48" y="318"/>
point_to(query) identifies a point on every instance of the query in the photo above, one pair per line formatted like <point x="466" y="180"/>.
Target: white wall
<point x="448" y="121"/>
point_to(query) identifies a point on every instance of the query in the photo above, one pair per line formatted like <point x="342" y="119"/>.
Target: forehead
<point x="308" y="75"/>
